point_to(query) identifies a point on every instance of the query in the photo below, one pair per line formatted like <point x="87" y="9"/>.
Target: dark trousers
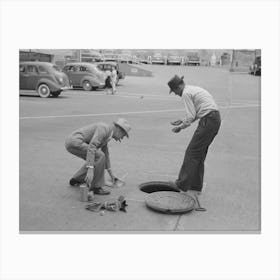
<point x="192" y="170"/>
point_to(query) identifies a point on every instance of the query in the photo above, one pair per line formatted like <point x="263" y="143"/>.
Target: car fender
<point x="52" y="85"/>
<point x="93" y="80"/>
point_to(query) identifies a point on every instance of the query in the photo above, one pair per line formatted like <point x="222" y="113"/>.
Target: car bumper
<point x="101" y="85"/>
<point x="66" y="87"/>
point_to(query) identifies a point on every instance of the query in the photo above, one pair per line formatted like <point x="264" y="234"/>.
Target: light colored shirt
<point x="96" y="136"/>
<point x="198" y="103"/>
<point x="114" y="75"/>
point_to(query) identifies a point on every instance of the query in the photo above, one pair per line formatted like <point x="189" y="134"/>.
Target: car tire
<point x="87" y="85"/>
<point x="56" y="93"/>
<point x="44" y="90"/>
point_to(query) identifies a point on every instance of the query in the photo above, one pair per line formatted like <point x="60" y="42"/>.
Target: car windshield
<point x="93" y="68"/>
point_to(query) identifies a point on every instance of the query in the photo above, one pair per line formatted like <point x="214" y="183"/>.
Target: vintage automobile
<point x="84" y="75"/>
<point x="192" y="59"/>
<point x="43" y="77"/>
<point x="158" y="59"/>
<point x="174" y="60"/>
<point x="104" y="66"/>
<point x="256" y="68"/>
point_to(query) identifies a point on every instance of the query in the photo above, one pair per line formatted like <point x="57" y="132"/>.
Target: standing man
<point x="108" y="82"/>
<point x="199" y="104"/>
<point x="114" y="80"/>
<point x="90" y="143"/>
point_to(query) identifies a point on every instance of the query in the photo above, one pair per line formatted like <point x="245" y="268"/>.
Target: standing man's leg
<point x="192" y="170"/>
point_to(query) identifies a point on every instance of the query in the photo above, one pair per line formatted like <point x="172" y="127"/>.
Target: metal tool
<point x="122" y="178"/>
<point x="120" y="182"/>
<point x="198" y="208"/>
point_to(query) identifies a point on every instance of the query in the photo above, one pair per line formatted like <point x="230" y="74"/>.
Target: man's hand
<point x="89" y="176"/>
<point x="178" y="122"/>
<point x="176" y="129"/>
<point x="113" y="178"/>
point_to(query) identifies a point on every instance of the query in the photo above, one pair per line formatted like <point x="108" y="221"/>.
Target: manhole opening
<point x="158" y="186"/>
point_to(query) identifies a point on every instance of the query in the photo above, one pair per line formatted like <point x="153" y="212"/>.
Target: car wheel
<point x="56" y="93"/>
<point x="87" y="85"/>
<point x="44" y="91"/>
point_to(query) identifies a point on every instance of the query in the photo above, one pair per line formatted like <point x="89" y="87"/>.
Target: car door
<point x="23" y="77"/>
<point x="74" y="75"/>
<point x="68" y="70"/>
<point x="81" y="72"/>
<point x="33" y="77"/>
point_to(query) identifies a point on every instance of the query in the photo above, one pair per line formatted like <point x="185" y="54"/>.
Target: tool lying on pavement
<point x="111" y="205"/>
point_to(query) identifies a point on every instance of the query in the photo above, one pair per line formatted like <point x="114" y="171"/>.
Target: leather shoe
<point x="74" y="183"/>
<point x="100" y="191"/>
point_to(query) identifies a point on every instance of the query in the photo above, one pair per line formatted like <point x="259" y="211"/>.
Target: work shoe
<point x="174" y="185"/>
<point x="74" y="183"/>
<point x="100" y="191"/>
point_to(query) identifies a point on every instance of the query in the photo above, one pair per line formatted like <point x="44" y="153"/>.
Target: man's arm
<point x="94" y="144"/>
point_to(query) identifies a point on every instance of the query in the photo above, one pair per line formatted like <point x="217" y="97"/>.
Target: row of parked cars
<point x="47" y="79"/>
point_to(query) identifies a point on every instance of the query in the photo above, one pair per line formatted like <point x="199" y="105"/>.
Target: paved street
<point x="153" y="152"/>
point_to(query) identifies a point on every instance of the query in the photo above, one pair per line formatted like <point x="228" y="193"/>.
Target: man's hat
<point x="175" y="82"/>
<point x="124" y="125"/>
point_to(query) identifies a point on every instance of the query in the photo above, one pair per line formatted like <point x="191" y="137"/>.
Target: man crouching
<point x="91" y="144"/>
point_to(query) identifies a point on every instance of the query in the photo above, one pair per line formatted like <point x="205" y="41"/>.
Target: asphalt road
<point x="153" y="152"/>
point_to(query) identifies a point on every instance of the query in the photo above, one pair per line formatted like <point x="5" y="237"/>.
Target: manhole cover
<point x="157" y="186"/>
<point x="170" y="202"/>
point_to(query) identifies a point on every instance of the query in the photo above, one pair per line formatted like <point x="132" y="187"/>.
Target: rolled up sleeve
<point x="190" y="112"/>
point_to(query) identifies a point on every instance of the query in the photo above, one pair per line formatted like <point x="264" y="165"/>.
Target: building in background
<point x="30" y="55"/>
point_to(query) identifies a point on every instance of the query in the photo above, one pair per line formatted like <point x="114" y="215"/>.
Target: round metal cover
<point x="156" y="186"/>
<point x="170" y="202"/>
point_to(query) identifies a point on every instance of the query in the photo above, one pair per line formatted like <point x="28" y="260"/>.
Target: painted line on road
<point x="101" y="114"/>
<point x="127" y="113"/>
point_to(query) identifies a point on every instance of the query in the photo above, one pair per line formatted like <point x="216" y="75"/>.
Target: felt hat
<point x="124" y="125"/>
<point x="175" y="82"/>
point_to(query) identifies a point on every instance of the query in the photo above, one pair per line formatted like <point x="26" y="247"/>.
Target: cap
<point x="175" y="82"/>
<point x="124" y="125"/>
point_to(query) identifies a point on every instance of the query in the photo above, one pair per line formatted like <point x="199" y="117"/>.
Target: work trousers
<point x="79" y="149"/>
<point x="192" y="170"/>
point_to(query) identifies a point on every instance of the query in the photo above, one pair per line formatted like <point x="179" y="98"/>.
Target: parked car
<point x="158" y="59"/>
<point x="104" y="66"/>
<point x="174" y="60"/>
<point x="85" y="75"/>
<point x="193" y="59"/>
<point x="143" y="60"/>
<point x="44" y="77"/>
<point x="256" y="68"/>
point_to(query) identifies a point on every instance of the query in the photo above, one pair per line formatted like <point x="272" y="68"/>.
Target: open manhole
<point x="158" y="186"/>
